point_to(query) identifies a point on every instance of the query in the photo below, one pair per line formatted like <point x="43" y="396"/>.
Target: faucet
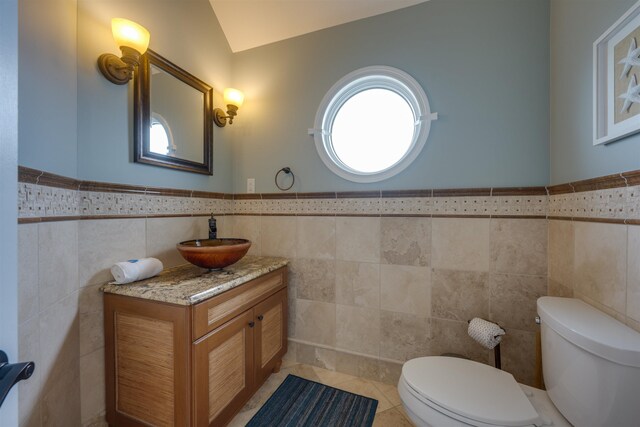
<point x="213" y="229"/>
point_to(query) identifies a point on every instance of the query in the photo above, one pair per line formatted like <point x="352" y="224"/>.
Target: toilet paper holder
<point x="496" y="349"/>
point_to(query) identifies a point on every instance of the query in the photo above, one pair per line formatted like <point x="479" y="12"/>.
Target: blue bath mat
<point x="300" y="402"/>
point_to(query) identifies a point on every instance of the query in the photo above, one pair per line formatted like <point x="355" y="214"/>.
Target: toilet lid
<point x="470" y="389"/>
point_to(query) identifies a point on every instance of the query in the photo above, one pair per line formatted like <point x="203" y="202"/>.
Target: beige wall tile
<point x="225" y="224"/>
<point x="248" y="227"/>
<point x="60" y="405"/>
<point x="102" y="243"/>
<point x="316" y="237"/>
<point x="59" y="342"/>
<point x="633" y="273"/>
<point x="389" y="372"/>
<point x="92" y="385"/>
<point x="561" y="252"/>
<point x="358" y="239"/>
<point x="358" y="283"/>
<point x="406" y="241"/>
<point x="358" y="329"/>
<point x="30" y="391"/>
<point x="513" y="300"/>
<point x="91" y="315"/>
<point x="556" y="289"/>
<point x="459" y="295"/>
<point x="28" y="292"/>
<point x="460" y="243"/>
<point x="450" y="336"/>
<point x="360" y="366"/>
<point x="57" y="261"/>
<point x="291" y="320"/>
<point x="518" y="355"/>
<point x="90" y="299"/>
<point x="519" y="246"/>
<point x="600" y="263"/>
<point x="164" y="233"/>
<point x="405" y="289"/>
<point x="91" y="332"/>
<point x="290" y="359"/>
<point x="316" y="322"/>
<point x="316" y="356"/>
<point x="313" y="279"/>
<point x="620" y="317"/>
<point x="278" y="236"/>
<point x="404" y="336"/>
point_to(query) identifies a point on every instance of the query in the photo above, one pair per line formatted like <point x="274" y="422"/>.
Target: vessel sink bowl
<point x="213" y="253"/>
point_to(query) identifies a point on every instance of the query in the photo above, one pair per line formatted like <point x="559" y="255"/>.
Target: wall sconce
<point x="133" y="40"/>
<point x="234" y="99"/>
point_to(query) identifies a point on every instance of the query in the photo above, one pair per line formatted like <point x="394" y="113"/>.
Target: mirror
<point x="173" y="117"/>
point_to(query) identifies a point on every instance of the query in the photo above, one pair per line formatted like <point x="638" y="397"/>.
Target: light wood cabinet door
<point x="271" y="335"/>
<point x="147" y="363"/>
<point x="223" y="371"/>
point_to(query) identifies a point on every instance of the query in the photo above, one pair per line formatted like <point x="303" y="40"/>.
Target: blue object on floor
<point x="300" y="402"/>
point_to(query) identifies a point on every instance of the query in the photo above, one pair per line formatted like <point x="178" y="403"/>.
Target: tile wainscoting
<point x="388" y="275"/>
<point x="388" y="289"/>
<point x="598" y="263"/>
<point x="61" y="266"/>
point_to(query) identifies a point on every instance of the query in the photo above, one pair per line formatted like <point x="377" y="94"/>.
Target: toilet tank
<point x="591" y="364"/>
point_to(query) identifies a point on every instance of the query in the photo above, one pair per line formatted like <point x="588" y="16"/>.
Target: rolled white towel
<point x="136" y="269"/>
<point x="486" y="333"/>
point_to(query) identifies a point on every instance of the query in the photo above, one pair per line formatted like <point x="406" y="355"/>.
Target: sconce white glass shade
<point x="130" y="34"/>
<point x="233" y="97"/>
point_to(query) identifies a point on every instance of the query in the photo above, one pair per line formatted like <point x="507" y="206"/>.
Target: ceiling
<point x="252" y="23"/>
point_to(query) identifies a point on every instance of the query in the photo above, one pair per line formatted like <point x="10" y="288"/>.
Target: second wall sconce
<point x="133" y="40"/>
<point x="234" y="99"/>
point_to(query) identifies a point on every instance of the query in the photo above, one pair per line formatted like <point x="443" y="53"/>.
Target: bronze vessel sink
<point x="213" y="253"/>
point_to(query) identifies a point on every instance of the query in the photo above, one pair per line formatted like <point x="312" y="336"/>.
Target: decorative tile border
<point x="40" y="202"/>
<point x="611" y="198"/>
<point x="45" y="197"/>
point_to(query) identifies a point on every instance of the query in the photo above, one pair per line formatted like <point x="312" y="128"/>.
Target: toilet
<point x="591" y="368"/>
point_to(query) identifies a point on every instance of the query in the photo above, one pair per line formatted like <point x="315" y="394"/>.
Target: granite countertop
<point x="188" y="284"/>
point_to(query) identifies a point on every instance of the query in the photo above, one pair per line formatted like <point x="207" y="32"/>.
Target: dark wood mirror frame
<point x="142" y="116"/>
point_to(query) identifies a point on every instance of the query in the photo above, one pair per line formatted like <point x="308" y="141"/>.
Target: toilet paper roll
<point x="136" y="269"/>
<point x="487" y="334"/>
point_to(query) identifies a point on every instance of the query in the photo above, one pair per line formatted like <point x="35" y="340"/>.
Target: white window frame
<point x="373" y="77"/>
<point x="171" y="145"/>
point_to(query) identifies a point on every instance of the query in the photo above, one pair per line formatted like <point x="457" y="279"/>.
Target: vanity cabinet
<point x="193" y="365"/>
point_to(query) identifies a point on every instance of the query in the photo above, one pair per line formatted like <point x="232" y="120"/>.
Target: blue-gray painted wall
<point x="575" y="25"/>
<point x="484" y="65"/>
<point x="74" y="122"/>
<point x="47" y="87"/>
<point x="187" y="33"/>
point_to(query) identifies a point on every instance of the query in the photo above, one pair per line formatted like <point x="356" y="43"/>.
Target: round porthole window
<point x="372" y="124"/>
<point x="160" y="137"/>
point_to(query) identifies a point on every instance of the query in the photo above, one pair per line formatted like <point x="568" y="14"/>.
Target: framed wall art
<point x="616" y="80"/>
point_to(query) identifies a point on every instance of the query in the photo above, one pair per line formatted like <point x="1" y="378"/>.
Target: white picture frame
<point x="607" y="125"/>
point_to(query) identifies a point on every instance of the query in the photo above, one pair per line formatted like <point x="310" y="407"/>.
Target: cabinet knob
<point x="260" y="317"/>
<point x="252" y="324"/>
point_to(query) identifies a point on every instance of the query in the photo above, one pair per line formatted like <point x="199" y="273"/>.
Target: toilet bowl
<point x="591" y="367"/>
<point x="450" y="392"/>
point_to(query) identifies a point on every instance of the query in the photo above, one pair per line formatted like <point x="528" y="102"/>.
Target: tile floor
<point x="389" y="413"/>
